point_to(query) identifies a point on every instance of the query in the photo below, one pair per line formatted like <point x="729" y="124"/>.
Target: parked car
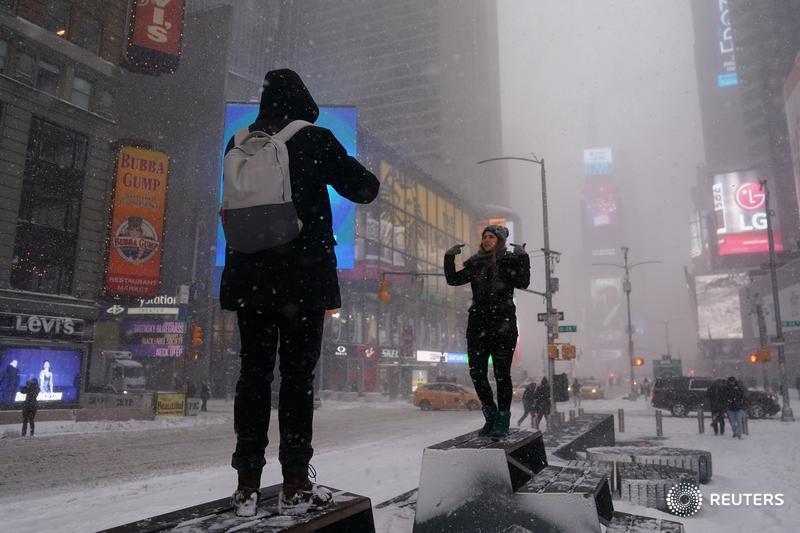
<point x="445" y="396"/>
<point x="682" y="395"/>
<point x="590" y="390"/>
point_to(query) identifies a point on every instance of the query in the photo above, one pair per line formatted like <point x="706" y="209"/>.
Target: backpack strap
<point x="290" y="129"/>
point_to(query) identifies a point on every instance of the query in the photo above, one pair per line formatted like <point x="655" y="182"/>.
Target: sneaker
<point x="299" y="495"/>
<point x="244" y="502"/>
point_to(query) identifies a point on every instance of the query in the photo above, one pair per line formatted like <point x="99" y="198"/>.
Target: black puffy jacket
<point x="302" y="273"/>
<point x="492" y="284"/>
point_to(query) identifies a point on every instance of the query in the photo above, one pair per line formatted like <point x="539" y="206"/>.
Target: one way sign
<point x="542" y="317"/>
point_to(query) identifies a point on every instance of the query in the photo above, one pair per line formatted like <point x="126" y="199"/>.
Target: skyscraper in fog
<point x="424" y="75"/>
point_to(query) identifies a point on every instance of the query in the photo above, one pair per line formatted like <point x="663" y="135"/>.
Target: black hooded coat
<point x="300" y="275"/>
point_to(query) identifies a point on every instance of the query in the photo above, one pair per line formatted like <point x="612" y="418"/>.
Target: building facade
<point x="59" y="73"/>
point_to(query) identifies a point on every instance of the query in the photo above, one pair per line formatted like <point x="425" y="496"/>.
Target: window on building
<point x="47" y="224"/>
<point x="7" y="4"/>
<point x="81" y="92"/>
<point x="57" y="18"/>
<point x="86" y="33"/>
<point x="3" y="54"/>
<point x="48" y="77"/>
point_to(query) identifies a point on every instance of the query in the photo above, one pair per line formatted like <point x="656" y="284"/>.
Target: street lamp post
<point x="626" y="286"/>
<point x="786" y="412"/>
<point x="548" y="256"/>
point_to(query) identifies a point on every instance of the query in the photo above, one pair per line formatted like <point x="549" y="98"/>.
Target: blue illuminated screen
<point x="342" y="121"/>
<point x="59" y="379"/>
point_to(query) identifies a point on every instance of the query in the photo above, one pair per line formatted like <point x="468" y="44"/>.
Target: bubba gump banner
<point x="137" y="223"/>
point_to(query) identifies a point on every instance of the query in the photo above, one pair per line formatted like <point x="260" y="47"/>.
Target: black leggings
<point x="496" y="338"/>
<point x="27" y="417"/>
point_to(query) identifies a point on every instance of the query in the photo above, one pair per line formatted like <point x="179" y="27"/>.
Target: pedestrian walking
<point x="735" y="404"/>
<point x="493" y="273"/>
<point x="30" y="405"/>
<point x="541" y="403"/>
<point x="717" y="402"/>
<point x="576" y="392"/>
<point x="647" y="388"/>
<point x="280" y="294"/>
<point x="205" y="394"/>
<point x="527" y="402"/>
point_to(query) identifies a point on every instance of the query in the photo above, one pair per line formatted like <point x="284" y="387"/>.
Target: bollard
<point x="745" y="428"/>
<point x="572" y="415"/>
<point x="659" y="425"/>
<point x="621" y="418"/>
<point x="580" y="411"/>
<point x="701" y="421"/>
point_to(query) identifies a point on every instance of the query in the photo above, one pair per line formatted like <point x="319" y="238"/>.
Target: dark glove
<point x="455" y="250"/>
<point x="519" y="249"/>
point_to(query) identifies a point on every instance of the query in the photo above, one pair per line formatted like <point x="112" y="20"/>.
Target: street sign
<point x="791" y="323"/>
<point x="567" y="329"/>
<point x="542" y="317"/>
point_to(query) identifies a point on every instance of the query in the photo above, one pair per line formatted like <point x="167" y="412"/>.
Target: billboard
<point x="343" y="122"/>
<point x="598" y="162"/>
<point x="137" y="223"/>
<point x="154" y="36"/>
<point x="741" y="220"/>
<point x="726" y="58"/>
<point x="600" y="199"/>
<point x="58" y="372"/>
<point x="791" y="95"/>
<point x="607" y="312"/>
<point x="153" y="338"/>
<point x="718" y="308"/>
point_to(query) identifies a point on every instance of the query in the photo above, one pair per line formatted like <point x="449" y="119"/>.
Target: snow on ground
<point x="388" y="464"/>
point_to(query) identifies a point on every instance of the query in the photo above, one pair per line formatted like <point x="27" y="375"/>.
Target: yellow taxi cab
<point x="445" y="396"/>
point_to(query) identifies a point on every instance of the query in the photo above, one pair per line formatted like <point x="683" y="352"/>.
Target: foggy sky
<point x="628" y="64"/>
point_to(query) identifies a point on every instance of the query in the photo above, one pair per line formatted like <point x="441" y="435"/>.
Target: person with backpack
<point x="30" y="405"/>
<point x="493" y="273"/>
<point x="280" y="278"/>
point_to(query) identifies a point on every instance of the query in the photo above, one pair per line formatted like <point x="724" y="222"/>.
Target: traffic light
<point x="753" y="358"/>
<point x="383" y="291"/>
<point x="197" y="335"/>
<point x="638" y="361"/>
<point x="762" y="355"/>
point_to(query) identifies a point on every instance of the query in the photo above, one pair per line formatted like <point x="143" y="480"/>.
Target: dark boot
<point x="489" y="414"/>
<point x="298" y="494"/>
<point x="245" y="499"/>
<point x="501" y="423"/>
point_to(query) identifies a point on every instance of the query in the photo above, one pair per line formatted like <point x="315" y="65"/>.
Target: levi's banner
<point x="137" y="223"/>
<point x="154" y="36"/>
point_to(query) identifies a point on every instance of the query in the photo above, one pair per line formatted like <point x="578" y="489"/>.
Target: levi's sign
<point x="41" y="326"/>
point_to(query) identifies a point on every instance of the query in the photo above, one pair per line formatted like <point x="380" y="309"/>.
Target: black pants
<point x="718" y="423"/>
<point x="28" y="414"/>
<point x="204" y="406"/>
<point x="495" y="337"/>
<point x="297" y="339"/>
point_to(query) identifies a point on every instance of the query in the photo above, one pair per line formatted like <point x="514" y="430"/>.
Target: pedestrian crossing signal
<point x="568" y="352"/>
<point x="639" y="361"/>
<point x="753" y="358"/>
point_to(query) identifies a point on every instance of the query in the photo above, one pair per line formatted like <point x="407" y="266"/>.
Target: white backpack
<point x="257" y="208"/>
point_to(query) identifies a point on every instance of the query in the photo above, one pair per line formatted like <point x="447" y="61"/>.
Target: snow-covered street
<point x="88" y="476"/>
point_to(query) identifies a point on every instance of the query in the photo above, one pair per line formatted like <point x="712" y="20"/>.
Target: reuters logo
<point x="684" y="499"/>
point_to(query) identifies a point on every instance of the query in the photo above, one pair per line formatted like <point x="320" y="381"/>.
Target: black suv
<point x="681" y="395"/>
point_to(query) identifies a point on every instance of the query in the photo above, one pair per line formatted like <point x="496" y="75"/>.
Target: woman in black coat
<point x="494" y="272"/>
<point x="30" y="405"/>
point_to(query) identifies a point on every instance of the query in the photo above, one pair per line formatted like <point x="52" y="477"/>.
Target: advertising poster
<point x="791" y="94"/>
<point x="170" y="404"/>
<point x="598" y="162"/>
<point x="718" y="307"/>
<point x="58" y="373"/>
<point x="343" y="122"/>
<point x="137" y="223"/>
<point x="600" y="199"/>
<point x="740" y="216"/>
<point x="151" y="338"/>
<point x="607" y="313"/>
<point x="154" y="36"/>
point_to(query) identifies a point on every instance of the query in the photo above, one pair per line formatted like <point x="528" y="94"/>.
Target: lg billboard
<point x="740" y="215"/>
